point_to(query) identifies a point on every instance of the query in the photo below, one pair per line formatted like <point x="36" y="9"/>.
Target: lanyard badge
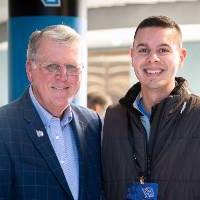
<point x="142" y="191"/>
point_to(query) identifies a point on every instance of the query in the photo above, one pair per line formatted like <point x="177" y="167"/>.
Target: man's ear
<point x="183" y="54"/>
<point x="131" y="53"/>
<point x="29" y="69"/>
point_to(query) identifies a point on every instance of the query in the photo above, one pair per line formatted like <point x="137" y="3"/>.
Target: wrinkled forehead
<point x="55" y="41"/>
<point x="55" y="51"/>
<point x="49" y="44"/>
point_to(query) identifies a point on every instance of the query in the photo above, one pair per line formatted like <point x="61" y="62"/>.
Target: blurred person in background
<point x="49" y="148"/>
<point x="151" y="145"/>
<point x="98" y="102"/>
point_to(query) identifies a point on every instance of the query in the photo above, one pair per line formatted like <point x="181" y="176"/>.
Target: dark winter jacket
<point x="171" y="158"/>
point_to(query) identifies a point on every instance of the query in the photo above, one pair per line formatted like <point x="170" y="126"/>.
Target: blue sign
<point x="51" y="3"/>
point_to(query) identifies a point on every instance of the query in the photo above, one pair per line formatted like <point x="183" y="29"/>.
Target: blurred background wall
<point x="111" y="25"/>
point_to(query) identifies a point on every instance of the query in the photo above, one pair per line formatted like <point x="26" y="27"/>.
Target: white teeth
<point x="153" y="71"/>
<point x="57" y="88"/>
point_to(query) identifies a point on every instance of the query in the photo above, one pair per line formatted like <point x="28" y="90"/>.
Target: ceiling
<point x="94" y="4"/>
<point x="108" y="3"/>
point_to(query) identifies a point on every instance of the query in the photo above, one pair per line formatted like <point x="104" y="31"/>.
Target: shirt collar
<point x="135" y="103"/>
<point x="67" y="117"/>
<point x="46" y="117"/>
<point x="139" y="106"/>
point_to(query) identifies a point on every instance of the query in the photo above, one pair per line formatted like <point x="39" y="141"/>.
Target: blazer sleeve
<point x="5" y="171"/>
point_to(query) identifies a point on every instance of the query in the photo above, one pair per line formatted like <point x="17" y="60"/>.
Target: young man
<point x="151" y="138"/>
<point x="50" y="149"/>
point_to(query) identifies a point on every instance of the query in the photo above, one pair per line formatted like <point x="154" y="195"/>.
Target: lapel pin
<point x="39" y="133"/>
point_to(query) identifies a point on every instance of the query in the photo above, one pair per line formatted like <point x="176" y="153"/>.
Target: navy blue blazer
<point x="29" y="168"/>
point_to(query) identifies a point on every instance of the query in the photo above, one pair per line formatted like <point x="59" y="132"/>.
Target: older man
<point x="50" y="149"/>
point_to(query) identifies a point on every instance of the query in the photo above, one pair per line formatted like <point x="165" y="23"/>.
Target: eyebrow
<point x="146" y="45"/>
<point x="141" y="45"/>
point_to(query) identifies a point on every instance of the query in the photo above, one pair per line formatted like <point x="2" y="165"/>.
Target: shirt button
<point x="62" y="161"/>
<point x="57" y="137"/>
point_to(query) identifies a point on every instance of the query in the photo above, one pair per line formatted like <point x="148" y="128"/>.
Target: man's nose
<point x="153" y="57"/>
<point x="62" y="73"/>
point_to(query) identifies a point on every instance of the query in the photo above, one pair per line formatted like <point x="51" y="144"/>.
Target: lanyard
<point x="142" y="175"/>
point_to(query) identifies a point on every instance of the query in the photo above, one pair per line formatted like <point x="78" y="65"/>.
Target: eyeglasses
<point x="71" y="70"/>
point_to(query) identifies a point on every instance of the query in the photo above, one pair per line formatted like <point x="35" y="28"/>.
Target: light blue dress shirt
<point x="145" y="117"/>
<point x="63" y="141"/>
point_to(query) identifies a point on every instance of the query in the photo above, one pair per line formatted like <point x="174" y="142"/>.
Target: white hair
<point x="59" y="33"/>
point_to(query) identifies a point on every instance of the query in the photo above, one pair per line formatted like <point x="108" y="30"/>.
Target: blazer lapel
<point x="79" y="128"/>
<point x="39" y="136"/>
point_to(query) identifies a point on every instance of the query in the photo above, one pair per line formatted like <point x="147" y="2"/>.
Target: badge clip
<point x="141" y="179"/>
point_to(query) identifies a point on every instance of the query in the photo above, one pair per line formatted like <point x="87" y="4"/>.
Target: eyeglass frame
<point x="58" y="70"/>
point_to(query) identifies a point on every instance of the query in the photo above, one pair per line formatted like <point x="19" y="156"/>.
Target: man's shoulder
<point x="83" y="111"/>
<point x="8" y="108"/>
<point x="194" y="102"/>
<point x="116" y="108"/>
<point x="87" y="116"/>
<point x="15" y="108"/>
<point x="9" y="118"/>
<point x="115" y="113"/>
<point x="15" y="105"/>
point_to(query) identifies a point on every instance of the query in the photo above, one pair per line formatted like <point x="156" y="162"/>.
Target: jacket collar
<point x="44" y="147"/>
<point x="178" y="96"/>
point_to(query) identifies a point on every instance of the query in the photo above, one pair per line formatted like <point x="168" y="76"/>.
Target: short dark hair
<point x="159" y="21"/>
